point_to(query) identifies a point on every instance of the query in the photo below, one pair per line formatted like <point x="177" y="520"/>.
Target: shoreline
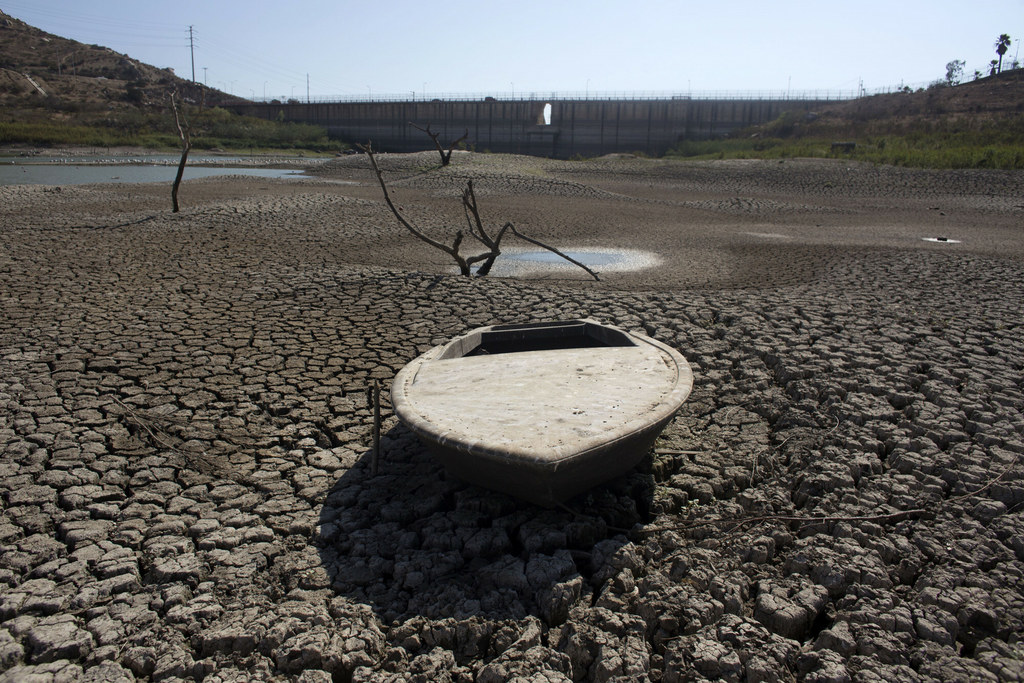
<point x="121" y="155"/>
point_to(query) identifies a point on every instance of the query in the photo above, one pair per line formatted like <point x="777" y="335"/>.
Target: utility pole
<point x="192" y="51"/>
<point x="307" y="88"/>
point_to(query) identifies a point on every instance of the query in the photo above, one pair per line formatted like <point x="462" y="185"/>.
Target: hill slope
<point x="41" y="69"/>
<point x="979" y="124"/>
<point x="986" y="101"/>
<point x="59" y="92"/>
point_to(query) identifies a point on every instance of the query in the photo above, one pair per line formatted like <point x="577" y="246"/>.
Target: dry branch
<point x="452" y="251"/>
<point x="552" y="250"/>
<point x="446" y="157"/>
<point x="476" y="230"/>
<point x="158" y="428"/>
<point x="898" y="516"/>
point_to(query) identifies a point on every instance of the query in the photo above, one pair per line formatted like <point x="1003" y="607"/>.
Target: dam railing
<point x="594" y="96"/>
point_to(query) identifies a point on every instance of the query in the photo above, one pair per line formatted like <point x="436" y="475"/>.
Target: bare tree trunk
<point x="184" y="132"/>
<point x="446" y="156"/>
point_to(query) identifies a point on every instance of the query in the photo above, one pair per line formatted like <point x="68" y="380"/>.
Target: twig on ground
<point x="832" y="519"/>
<point x="375" y="462"/>
<point x="155" y="427"/>
<point x="743" y="521"/>
<point x="452" y="251"/>
<point x="126" y="224"/>
<point x="990" y="483"/>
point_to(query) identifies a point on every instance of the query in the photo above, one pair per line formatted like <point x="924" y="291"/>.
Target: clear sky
<point x="372" y="48"/>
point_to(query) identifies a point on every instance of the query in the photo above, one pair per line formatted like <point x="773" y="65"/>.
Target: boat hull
<point x="542" y="412"/>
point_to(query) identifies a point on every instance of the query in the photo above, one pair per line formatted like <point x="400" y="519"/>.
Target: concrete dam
<point x="551" y="128"/>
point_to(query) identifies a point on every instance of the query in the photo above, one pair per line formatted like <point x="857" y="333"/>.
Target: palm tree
<point x="1002" y="43"/>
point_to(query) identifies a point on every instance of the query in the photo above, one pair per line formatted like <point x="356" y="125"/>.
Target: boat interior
<point x="567" y="334"/>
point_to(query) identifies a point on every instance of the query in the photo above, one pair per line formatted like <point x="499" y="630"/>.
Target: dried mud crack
<point x="185" y="488"/>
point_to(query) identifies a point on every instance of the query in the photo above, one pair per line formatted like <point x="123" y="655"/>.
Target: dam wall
<point x="554" y="128"/>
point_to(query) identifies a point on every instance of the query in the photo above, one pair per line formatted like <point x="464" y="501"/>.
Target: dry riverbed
<point x="185" y="490"/>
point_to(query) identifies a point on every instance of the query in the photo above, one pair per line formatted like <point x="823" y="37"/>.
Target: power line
<point x="74" y="23"/>
<point x="124" y="35"/>
<point x="260" y="68"/>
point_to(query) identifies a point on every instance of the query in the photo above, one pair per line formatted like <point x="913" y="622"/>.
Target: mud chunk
<point x="789" y="610"/>
<point x="107" y="672"/>
<point x="538" y="663"/>
<point x="58" y="637"/>
<point x="186" y="568"/>
<point x="735" y="648"/>
<point x="603" y="644"/>
<point x="823" y="666"/>
<point x="11" y="651"/>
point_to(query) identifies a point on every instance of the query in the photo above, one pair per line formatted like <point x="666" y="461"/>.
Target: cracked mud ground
<point x="185" y="491"/>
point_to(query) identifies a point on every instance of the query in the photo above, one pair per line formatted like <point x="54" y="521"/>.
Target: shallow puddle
<point x="517" y="262"/>
<point x="587" y="258"/>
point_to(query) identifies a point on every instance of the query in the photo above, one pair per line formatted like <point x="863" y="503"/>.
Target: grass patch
<point x="51" y="134"/>
<point x="211" y="129"/>
<point x="944" y="144"/>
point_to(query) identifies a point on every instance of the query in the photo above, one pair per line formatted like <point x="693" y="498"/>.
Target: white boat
<point x="542" y="411"/>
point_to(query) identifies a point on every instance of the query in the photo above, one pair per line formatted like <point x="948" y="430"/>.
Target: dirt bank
<point x="184" y="489"/>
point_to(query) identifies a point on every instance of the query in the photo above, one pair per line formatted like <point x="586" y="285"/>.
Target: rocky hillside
<point x="991" y="100"/>
<point x="39" y="68"/>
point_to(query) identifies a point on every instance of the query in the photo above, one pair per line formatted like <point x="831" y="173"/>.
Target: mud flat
<point x="185" y="490"/>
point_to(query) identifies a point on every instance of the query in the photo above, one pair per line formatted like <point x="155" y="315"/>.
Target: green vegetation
<point x="213" y="128"/>
<point x="943" y="144"/>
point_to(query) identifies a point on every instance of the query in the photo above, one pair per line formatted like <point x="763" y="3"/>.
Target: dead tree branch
<point x="800" y="519"/>
<point x="158" y="428"/>
<point x="476" y="230"/>
<point x="552" y="250"/>
<point x="446" y="156"/>
<point x="452" y="251"/>
<point x="184" y="133"/>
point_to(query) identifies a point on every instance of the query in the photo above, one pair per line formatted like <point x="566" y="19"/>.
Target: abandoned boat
<point x="542" y="411"/>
